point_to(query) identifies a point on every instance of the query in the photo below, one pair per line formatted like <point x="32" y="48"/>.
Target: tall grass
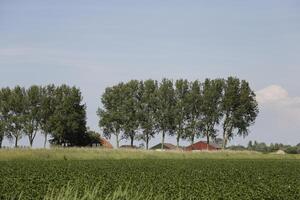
<point x="104" y="154"/>
<point x="126" y="192"/>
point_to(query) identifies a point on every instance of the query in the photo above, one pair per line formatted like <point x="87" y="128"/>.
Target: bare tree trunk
<point x="30" y="137"/>
<point x="30" y="142"/>
<point x="192" y="141"/>
<point x="224" y="139"/>
<point x="178" y="139"/>
<point x="147" y="141"/>
<point x="1" y="139"/>
<point x="16" y="142"/>
<point x="131" y="141"/>
<point x="207" y="144"/>
<point x="162" y="140"/>
<point x="45" y="141"/>
<point x="117" y="138"/>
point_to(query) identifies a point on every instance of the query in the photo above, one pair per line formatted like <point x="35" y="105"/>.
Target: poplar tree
<point x="16" y="116"/>
<point x="181" y="108"/>
<point x="32" y="112"/>
<point x="194" y="106"/>
<point x="148" y="110"/>
<point x="239" y="108"/>
<point x="112" y="114"/>
<point x="211" y="107"/>
<point x="4" y="111"/>
<point x="165" y="113"/>
<point x="131" y="107"/>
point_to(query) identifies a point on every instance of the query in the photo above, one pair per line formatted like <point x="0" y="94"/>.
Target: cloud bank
<point x="285" y="108"/>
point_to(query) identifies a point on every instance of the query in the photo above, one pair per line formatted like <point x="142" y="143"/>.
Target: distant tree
<point x="230" y="108"/>
<point x="112" y="114"/>
<point x="131" y="107"/>
<point x="148" y="110"/>
<point x="92" y="137"/>
<point x="194" y="106"/>
<point x="165" y="111"/>
<point x="33" y="110"/>
<point x="4" y="112"/>
<point x="248" y="109"/>
<point x="239" y="108"/>
<point x="181" y="109"/>
<point x="250" y="145"/>
<point x="48" y="106"/>
<point x="69" y="117"/>
<point x="16" y="116"/>
<point x="211" y="107"/>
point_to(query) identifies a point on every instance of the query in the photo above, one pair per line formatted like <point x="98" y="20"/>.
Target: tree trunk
<point x="16" y="142"/>
<point x="131" y="141"/>
<point x="192" y="142"/>
<point x="207" y="144"/>
<point x="30" y="137"/>
<point x="1" y="139"/>
<point x="117" y="138"/>
<point x="45" y="141"/>
<point x="162" y="140"/>
<point x="224" y="140"/>
<point x="178" y="139"/>
<point x="30" y="142"/>
<point x="147" y="141"/>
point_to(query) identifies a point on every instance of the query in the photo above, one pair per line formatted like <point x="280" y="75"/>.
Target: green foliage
<point x="57" y="111"/>
<point x="184" y="109"/>
<point x="151" y="179"/>
<point x="112" y="117"/>
<point x="4" y="111"/>
<point x="69" y="117"/>
<point x="181" y="108"/>
<point x="148" y="108"/>
<point x="33" y="101"/>
<point x="211" y="107"/>
<point x="239" y="108"/>
<point x="16" y="116"/>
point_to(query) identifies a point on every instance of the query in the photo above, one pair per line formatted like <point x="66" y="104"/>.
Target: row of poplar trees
<point x="184" y="109"/>
<point x="54" y="111"/>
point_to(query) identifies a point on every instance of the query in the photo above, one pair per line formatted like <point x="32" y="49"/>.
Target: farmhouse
<point x="104" y="143"/>
<point x="202" y="146"/>
<point x="167" y="146"/>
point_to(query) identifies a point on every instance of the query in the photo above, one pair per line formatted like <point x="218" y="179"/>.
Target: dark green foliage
<point x="262" y="147"/>
<point x="172" y="179"/>
<point x="211" y="107"/>
<point x="16" y="116"/>
<point x="4" y="111"/>
<point x="33" y="101"/>
<point x="148" y="108"/>
<point x="185" y="109"/>
<point x="112" y="116"/>
<point x="69" y="117"/>
<point x="165" y="115"/>
<point x="57" y="111"/>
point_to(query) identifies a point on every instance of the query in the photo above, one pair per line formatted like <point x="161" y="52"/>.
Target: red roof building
<point x="202" y="146"/>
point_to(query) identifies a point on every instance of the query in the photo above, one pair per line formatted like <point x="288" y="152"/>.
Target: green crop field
<point x="59" y="174"/>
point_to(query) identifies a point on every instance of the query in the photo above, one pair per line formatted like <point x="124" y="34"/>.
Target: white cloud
<point x="284" y="108"/>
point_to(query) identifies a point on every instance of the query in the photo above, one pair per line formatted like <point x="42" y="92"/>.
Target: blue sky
<point x="94" y="44"/>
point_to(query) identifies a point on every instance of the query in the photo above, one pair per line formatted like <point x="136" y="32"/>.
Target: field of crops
<point x="150" y="179"/>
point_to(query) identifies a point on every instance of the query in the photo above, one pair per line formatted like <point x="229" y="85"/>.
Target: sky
<point x="93" y="44"/>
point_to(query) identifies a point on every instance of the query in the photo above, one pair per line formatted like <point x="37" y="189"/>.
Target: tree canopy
<point x="186" y="110"/>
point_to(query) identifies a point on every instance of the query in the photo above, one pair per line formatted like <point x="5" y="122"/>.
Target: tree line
<point x="264" y="148"/>
<point x="55" y="111"/>
<point x="184" y="109"/>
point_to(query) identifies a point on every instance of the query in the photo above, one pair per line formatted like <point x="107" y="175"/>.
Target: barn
<point x="167" y="146"/>
<point x="202" y="146"/>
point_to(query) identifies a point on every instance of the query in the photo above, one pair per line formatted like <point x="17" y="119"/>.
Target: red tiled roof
<point x="201" y="146"/>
